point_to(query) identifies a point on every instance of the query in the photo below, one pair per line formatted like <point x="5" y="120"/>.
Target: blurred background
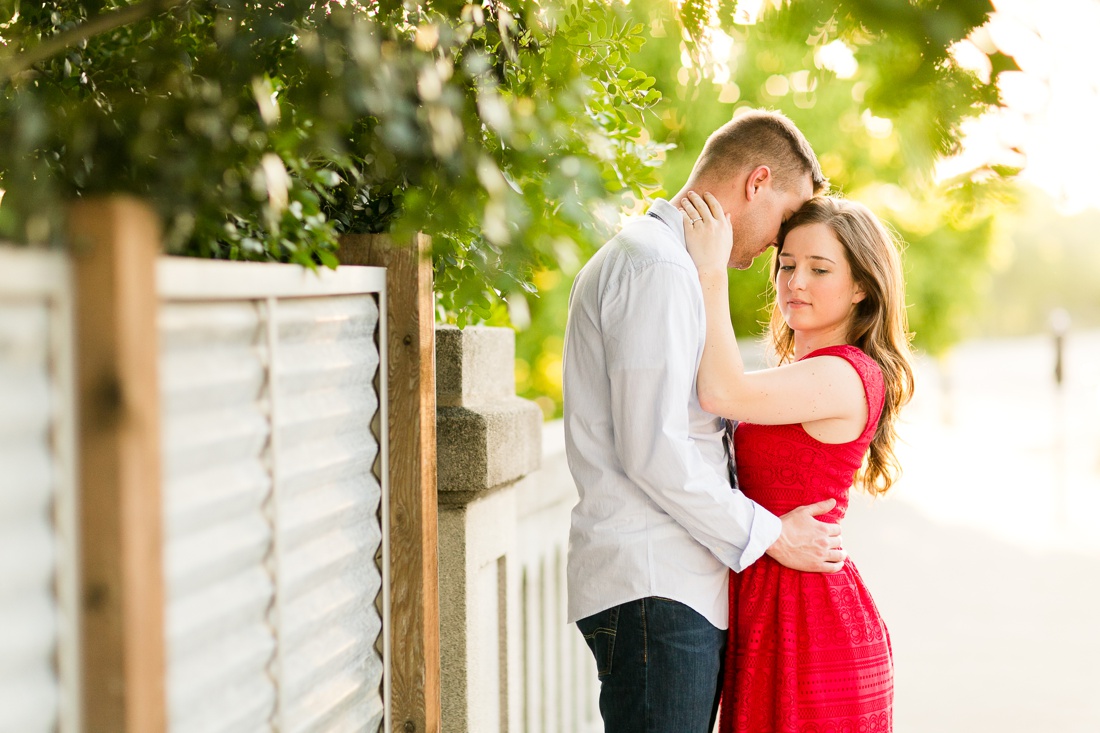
<point x="983" y="558"/>
<point x="518" y="135"/>
<point x="997" y="206"/>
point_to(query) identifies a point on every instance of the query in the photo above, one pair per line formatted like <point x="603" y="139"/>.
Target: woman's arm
<point x="823" y="388"/>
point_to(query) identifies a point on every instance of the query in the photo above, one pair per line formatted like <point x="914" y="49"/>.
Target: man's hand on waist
<point x="808" y="544"/>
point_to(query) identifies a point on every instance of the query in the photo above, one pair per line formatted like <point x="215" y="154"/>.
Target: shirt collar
<point x="670" y="216"/>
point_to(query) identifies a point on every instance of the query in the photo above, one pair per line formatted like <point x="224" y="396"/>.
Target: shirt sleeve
<point x="652" y="323"/>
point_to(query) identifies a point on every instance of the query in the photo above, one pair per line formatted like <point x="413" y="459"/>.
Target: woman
<point x="808" y="652"/>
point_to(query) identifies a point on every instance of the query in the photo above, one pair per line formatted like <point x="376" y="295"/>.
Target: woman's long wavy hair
<point x="879" y="326"/>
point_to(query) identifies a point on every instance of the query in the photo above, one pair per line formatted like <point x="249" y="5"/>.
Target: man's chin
<point x="744" y="261"/>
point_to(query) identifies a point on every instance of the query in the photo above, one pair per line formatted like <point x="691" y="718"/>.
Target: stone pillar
<point x="488" y="441"/>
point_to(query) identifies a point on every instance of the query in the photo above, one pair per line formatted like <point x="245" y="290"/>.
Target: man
<point x="658" y="526"/>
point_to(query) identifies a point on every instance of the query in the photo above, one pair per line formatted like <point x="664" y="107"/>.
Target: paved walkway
<point x="986" y="562"/>
<point x="988" y="636"/>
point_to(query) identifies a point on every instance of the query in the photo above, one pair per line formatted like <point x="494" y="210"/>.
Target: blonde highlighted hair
<point x="879" y="326"/>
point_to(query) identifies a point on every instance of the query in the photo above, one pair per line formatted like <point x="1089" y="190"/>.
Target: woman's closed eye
<point x="814" y="270"/>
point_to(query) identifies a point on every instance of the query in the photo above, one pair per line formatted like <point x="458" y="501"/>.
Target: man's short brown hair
<point x="755" y="138"/>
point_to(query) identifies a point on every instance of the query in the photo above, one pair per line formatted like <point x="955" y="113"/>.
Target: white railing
<point x="560" y="688"/>
<point x="39" y="650"/>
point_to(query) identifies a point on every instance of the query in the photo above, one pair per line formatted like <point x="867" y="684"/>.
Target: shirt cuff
<point x="765" y="530"/>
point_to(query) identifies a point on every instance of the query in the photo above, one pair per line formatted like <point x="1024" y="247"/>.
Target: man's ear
<point x="759" y="175"/>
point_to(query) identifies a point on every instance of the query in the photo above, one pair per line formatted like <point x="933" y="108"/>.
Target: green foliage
<point x="265" y="130"/>
<point x="513" y="134"/>
<point x="1043" y="260"/>
<point x="878" y="127"/>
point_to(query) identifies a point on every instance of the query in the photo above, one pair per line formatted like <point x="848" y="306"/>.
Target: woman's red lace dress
<point x="808" y="652"/>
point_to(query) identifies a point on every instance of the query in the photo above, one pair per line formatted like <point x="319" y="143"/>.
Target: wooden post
<point x="115" y="242"/>
<point x="414" y="542"/>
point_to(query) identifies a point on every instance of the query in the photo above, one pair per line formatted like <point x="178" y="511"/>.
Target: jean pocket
<point x="599" y="633"/>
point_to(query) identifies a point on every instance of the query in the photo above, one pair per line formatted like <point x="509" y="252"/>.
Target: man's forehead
<point x="805" y="188"/>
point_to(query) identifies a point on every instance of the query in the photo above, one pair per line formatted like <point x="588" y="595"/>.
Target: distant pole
<point x="1059" y="326"/>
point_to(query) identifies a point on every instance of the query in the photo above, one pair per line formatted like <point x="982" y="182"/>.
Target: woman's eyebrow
<point x="809" y="257"/>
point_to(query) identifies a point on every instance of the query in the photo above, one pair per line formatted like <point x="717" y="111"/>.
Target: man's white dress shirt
<point x="656" y="515"/>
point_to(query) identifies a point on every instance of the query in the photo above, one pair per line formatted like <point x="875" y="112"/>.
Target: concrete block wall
<point x="489" y="443"/>
<point x="509" y="660"/>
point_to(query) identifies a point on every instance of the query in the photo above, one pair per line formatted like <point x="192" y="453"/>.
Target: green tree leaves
<point x="514" y="133"/>
<point x="265" y="130"/>
<point x="875" y="88"/>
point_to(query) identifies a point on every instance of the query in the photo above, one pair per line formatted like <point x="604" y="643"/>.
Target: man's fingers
<point x="809" y="544"/>
<point x="833" y="561"/>
<point x="821" y="507"/>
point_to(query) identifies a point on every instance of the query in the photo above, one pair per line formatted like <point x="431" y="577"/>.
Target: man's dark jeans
<point x="660" y="666"/>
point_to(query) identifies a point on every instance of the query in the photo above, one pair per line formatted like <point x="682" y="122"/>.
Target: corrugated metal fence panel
<point x="37" y="577"/>
<point x="217" y="515"/>
<point x="28" y="613"/>
<point x="328" y="502"/>
<point x="273" y="536"/>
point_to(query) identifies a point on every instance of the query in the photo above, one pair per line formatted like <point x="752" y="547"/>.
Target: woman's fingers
<point x="688" y="207"/>
<point x="696" y="213"/>
<point x="713" y="204"/>
<point x="705" y="206"/>
<point x="698" y="205"/>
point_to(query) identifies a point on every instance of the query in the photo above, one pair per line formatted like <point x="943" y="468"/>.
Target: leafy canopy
<point x="265" y="130"/>
<point x="876" y="89"/>
<point x="513" y="133"/>
<point x="874" y="86"/>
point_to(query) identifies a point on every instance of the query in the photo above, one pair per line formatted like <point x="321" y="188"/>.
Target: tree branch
<point x="23" y="60"/>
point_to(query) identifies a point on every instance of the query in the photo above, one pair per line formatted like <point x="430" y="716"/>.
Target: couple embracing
<point x="706" y="566"/>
